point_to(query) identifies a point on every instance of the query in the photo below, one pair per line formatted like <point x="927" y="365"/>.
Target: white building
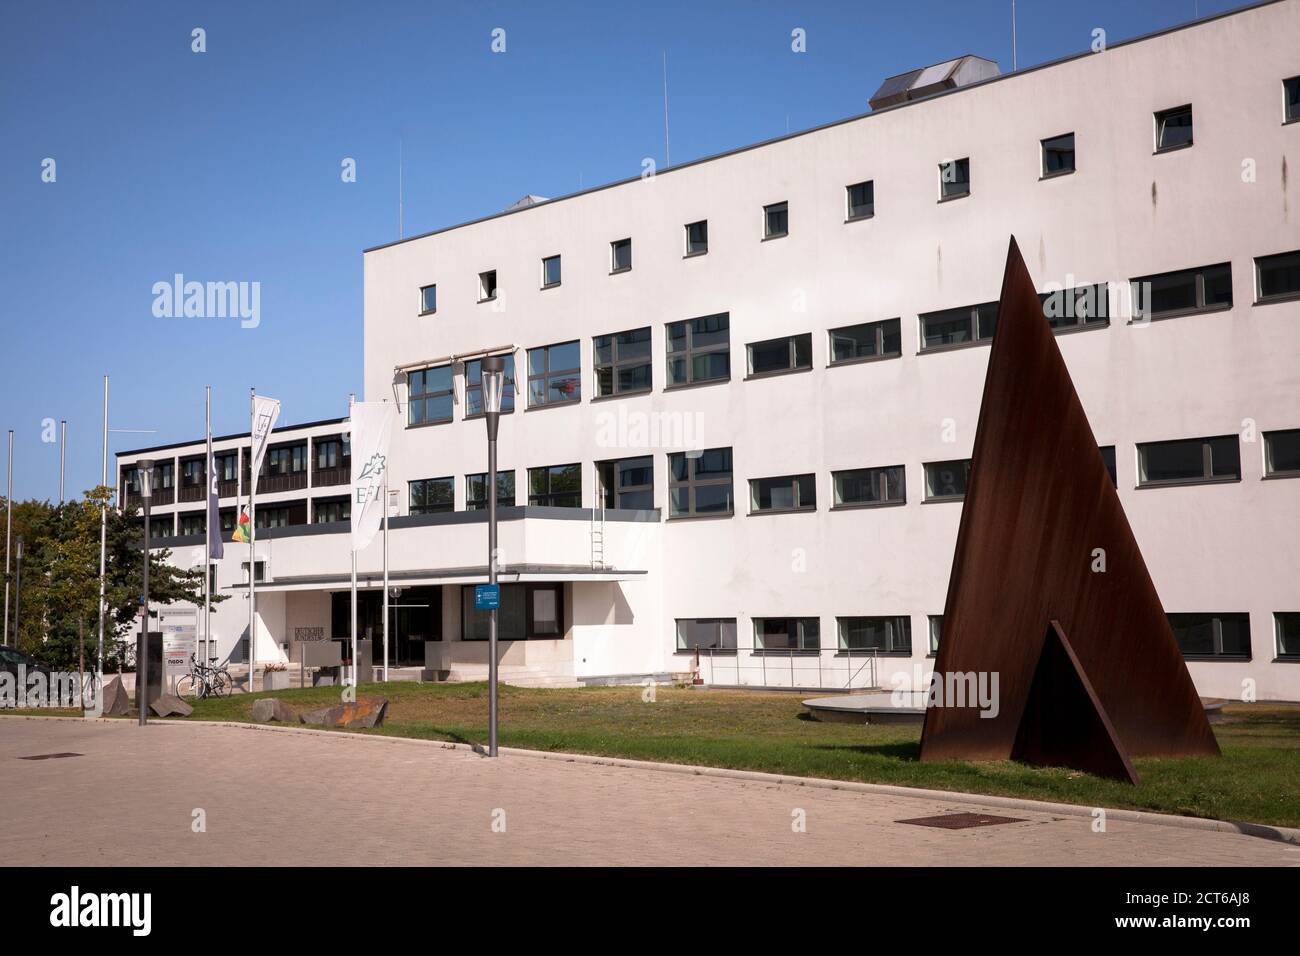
<point x="788" y="393"/>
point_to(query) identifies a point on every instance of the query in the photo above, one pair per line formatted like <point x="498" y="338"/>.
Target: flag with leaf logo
<point x="242" y="531"/>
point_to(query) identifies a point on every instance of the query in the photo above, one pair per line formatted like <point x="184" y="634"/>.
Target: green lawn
<point x="1257" y="779"/>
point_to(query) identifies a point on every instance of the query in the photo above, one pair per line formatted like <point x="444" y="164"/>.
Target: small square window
<point x="776" y="220"/>
<point x="620" y="256"/>
<point x="1291" y="100"/>
<point x="487" y="285"/>
<point x="1282" y="453"/>
<point x="550" y="272"/>
<point x="697" y="238"/>
<point x="954" y="179"/>
<point x="1277" y="277"/>
<point x="862" y="200"/>
<point x="428" y="299"/>
<point x="1174" y="129"/>
<point x="1058" y="155"/>
<point x="947" y="480"/>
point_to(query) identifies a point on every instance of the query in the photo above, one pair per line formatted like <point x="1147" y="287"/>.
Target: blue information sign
<point x="487" y="597"/>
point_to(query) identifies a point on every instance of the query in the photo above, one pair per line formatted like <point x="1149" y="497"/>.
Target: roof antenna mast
<point x="401" y="232"/>
<point x="668" y="156"/>
<point x="1014" y="64"/>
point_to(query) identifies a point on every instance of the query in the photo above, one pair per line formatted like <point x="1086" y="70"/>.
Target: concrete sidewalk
<point x="134" y="795"/>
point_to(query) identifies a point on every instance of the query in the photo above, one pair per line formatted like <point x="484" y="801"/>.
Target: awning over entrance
<point x="418" y="578"/>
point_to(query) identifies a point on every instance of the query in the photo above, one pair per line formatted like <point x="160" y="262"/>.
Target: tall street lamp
<point x="493" y="371"/>
<point x="145" y="467"/>
<point x="18" y="588"/>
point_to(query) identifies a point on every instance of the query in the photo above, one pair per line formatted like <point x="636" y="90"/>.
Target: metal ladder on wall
<point x="598" y="528"/>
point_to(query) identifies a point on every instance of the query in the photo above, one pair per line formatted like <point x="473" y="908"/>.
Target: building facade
<point x="745" y="389"/>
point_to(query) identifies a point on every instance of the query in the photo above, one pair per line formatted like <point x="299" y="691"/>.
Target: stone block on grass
<point x="366" y="712"/>
<point x="116" y="701"/>
<point x="273" y="709"/>
<point x="169" y="705"/>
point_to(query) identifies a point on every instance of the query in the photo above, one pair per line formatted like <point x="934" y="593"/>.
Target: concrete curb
<point x="1289" y="835"/>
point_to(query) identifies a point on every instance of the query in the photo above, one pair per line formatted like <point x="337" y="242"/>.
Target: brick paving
<point x="304" y="799"/>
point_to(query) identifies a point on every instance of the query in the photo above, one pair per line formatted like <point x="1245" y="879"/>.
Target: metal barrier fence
<point x="826" y="669"/>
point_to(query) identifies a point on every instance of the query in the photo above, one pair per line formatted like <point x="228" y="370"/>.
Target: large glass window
<point x="1169" y="294"/>
<point x="970" y="323"/>
<point x="1189" y="460"/>
<point x="699" y="350"/>
<point x="1173" y="128"/>
<point x="554" y="375"/>
<point x="193" y="523"/>
<point x="885" y="635"/>
<point x="474" y="387"/>
<point x="1277" y="277"/>
<point x="330" y="510"/>
<point x="861" y="199"/>
<point x="788" y="493"/>
<point x="1282" y="452"/>
<point x="700" y="484"/>
<point x="555" y="486"/>
<point x="1081" y="306"/>
<point x="1212" y="635"/>
<point x="861" y="487"/>
<point x="627" y="483"/>
<point x="787" y="634"/>
<point x="527" y="612"/>
<point x="623" y="362"/>
<point x="1058" y="155"/>
<point x="947" y="480"/>
<point x="192" y="473"/>
<point x="954" y="179"/>
<point x="476" y="490"/>
<point x="787" y="354"/>
<point x="432" y="496"/>
<point x="699" y="633"/>
<point x="429" y="398"/>
<point x="697" y="238"/>
<point x="286" y="461"/>
<point x="868" y="340"/>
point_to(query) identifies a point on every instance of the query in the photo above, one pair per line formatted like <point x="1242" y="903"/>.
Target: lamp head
<point x="145" y="465"/>
<point x="493" y="371"/>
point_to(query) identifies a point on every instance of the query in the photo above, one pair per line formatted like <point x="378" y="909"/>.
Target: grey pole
<point x="103" y="545"/>
<point x="142" y="655"/>
<point x="9" y="523"/>
<point x="18" y="589"/>
<point x="492" y="371"/>
<point x="385" y="573"/>
<point x="63" y="446"/>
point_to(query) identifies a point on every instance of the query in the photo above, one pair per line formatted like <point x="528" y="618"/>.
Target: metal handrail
<point x="777" y="676"/>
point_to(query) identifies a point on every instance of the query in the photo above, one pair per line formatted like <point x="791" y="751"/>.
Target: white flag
<point x="265" y="413"/>
<point x="372" y="426"/>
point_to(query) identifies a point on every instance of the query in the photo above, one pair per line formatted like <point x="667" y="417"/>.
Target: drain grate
<point x="49" y="756"/>
<point x="961" y="821"/>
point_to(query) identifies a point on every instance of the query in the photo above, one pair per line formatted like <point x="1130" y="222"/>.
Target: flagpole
<point x="63" y="454"/>
<point x="252" y="537"/>
<point x="103" y="547"/>
<point x="9" y="523"/>
<point x="385" y="572"/>
<point x="209" y="478"/>
<point x="352" y="544"/>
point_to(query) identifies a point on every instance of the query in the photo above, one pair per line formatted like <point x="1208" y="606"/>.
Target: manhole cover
<point x="48" y="756"/>
<point x="961" y="821"/>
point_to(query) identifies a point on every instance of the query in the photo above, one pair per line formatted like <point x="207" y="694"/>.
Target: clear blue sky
<point x="226" y="165"/>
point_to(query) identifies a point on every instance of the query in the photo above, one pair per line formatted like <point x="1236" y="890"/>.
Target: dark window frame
<point x="878" y="476"/>
<point x="618" y="364"/>
<point x="796" y="486"/>
<point x="1046" y="147"/>
<point x="799" y="641"/>
<point x="425" y="396"/>
<point x="1290" y="295"/>
<point x="424" y="485"/>
<point x="893" y="644"/>
<point x="869" y="185"/>
<point x="424" y="309"/>
<point x="609" y="494"/>
<point x="1163" y="116"/>
<point x="1279" y="648"/>
<point x="548" y="373"/>
<point x="721" y="623"/>
<point x="880" y="332"/>
<point x="484" y="294"/>
<point x="694" y="248"/>
<point x="1270" y="470"/>
<point x="793" y="344"/>
<point x="1199" y="307"/>
<point x="691" y="483"/>
<point x="1216" y="619"/>
<point x="978" y="315"/>
<point x="559" y="268"/>
<point x="962" y="167"/>
<point x="1207" y="475"/>
<point x="530" y="622"/>
<point x="547" y="499"/>
<point x="781" y="210"/>
<point x="1073" y="298"/>
<point x="1291" y="100"/>
<point x="474" y="389"/>
<point x="475" y="502"/>
<point x="689" y="352"/>
<point x="930" y="495"/>
<point x="614" y="267"/>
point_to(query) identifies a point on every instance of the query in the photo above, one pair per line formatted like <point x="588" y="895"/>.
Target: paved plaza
<point x="134" y="794"/>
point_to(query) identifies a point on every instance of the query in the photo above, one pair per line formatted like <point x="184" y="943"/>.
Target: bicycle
<point x="206" y="680"/>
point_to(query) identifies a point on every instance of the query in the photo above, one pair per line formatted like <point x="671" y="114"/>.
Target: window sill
<point x="942" y="499"/>
<point x="859" y="360"/>
<point x="702" y="517"/>
<point x="1287" y="297"/>
<point x="696" y="255"/>
<point x="1280" y="475"/>
<point x="1181" y="313"/>
<point x="441" y="421"/>
<point x="775" y="235"/>
<point x="777" y="373"/>
<point x="1080" y="327"/>
<point x="764" y="512"/>
<point x="619" y="272"/>
<point x="1171" y="149"/>
<point x="616" y="395"/>
<point x="785" y="652"/>
<point x="845" y="652"/>
<point x="427" y="312"/>
<point x="1217" y="658"/>
<point x="1183" y="482"/>
<point x="685" y="385"/>
<point x="867" y="505"/>
<point x="1285" y="660"/>
<point x="965" y="195"/>
<point x="1292" y="121"/>
<point x="490" y="298"/>
<point x="711" y="651"/>
<point x="551" y="285"/>
<point x="865" y="216"/>
<point x="955" y="346"/>
<point x="564" y="404"/>
<point x="1056" y="175"/>
<point x="478" y="416"/>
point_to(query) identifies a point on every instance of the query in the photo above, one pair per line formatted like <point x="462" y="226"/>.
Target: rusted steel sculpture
<point x="1048" y="587"/>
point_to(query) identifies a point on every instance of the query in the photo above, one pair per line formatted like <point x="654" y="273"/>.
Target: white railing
<point x="825" y="669"/>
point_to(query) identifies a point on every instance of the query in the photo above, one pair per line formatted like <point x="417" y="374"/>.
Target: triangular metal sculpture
<point x="1048" y="586"/>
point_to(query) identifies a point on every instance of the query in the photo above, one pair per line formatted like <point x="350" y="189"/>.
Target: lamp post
<point x="493" y="372"/>
<point x="145" y="467"/>
<point x="18" y="588"/>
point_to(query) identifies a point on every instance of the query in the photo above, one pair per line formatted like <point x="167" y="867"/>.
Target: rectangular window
<point x="527" y="612"/>
<point x="550" y="272"/>
<point x="697" y="238"/>
<point x="1084" y="306"/>
<point x="627" y="483"/>
<point x="331" y="510"/>
<point x="863" y="487"/>
<point x="1173" y="128"/>
<point x="947" y="480"/>
<point x="1277" y="277"/>
<point x="329" y="453"/>
<point x="700" y="483"/>
<point x="1189" y="460"/>
<point x="623" y="362"/>
<point x="1184" y="292"/>
<point x="776" y="220"/>
<point x="554" y="375"/>
<point x="273" y="518"/>
<point x="1291" y="100"/>
<point x="430" y="496"/>
<point x="788" y="493"/>
<point x="861" y="199"/>
<point x="192" y="473"/>
<point x="936" y="632"/>
<point x="954" y="179"/>
<point x="1108" y="457"/>
<point x="713" y="633"/>
<point x="428" y="299"/>
<point x="787" y="634"/>
<point x="556" y="486"/>
<point x="788" y="354"/>
<point x="1282" y="453"/>
<point x="883" y="339"/>
<point x="474" y="387"/>
<point x="970" y="323"/>
<point x="1286" y="624"/>
<point x="476" y="490"/>
<point x="227" y="466"/>
<point x="193" y="523"/>
<point x="429" y="396"/>
<point x="1212" y="635"/>
<point x="885" y="635"/>
<point x="161" y="527"/>
<point x="286" y="461"/>
<point x="487" y="285"/>
<point x="1058" y="155"/>
<point x="620" y="255"/>
<point x="699" y="350"/>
